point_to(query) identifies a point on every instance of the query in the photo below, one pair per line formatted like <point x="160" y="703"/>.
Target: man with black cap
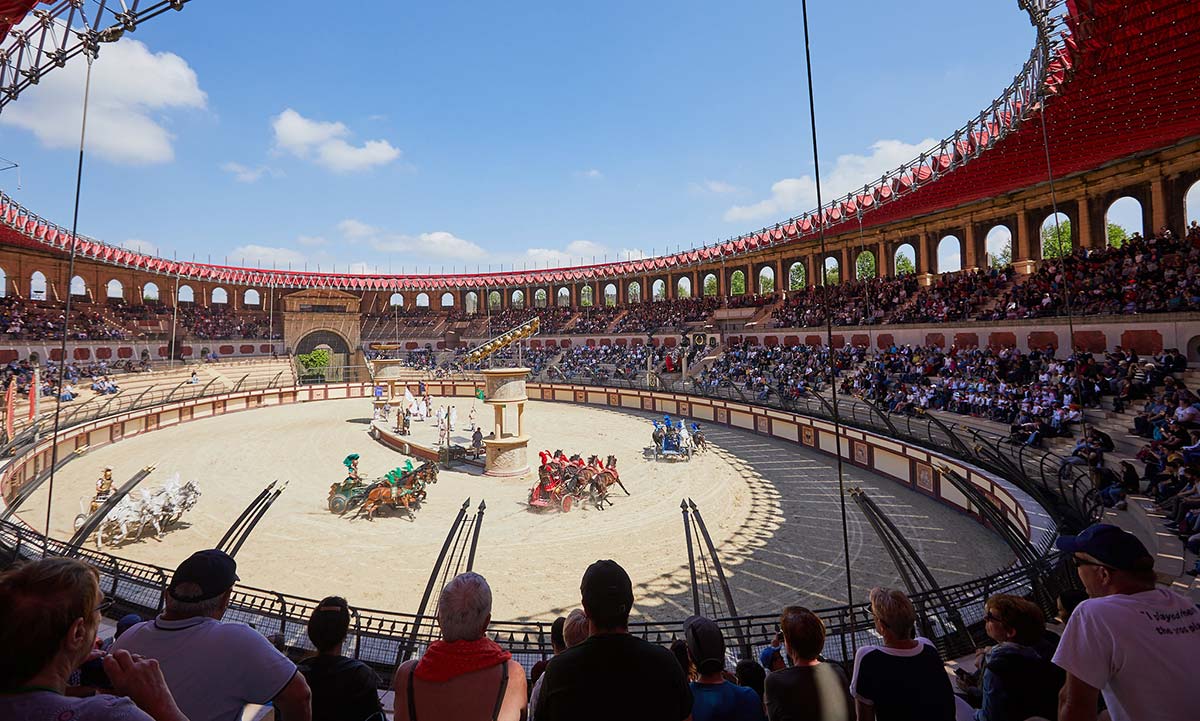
<point x="612" y="675"/>
<point x="1132" y="642"/>
<point x="212" y="668"/>
<point x="713" y="697"/>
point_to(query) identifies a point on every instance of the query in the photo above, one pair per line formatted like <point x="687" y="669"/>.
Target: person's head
<point x="607" y="595"/>
<point x="1013" y="619"/>
<point x="751" y="675"/>
<point x="1109" y="560"/>
<point x="803" y="632"/>
<point x="705" y="644"/>
<point x="575" y="630"/>
<point x="329" y="624"/>
<point x="556" y="634"/>
<point x="127" y="622"/>
<point x="49" y="615"/>
<point x="201" y="585"/>
<point x="895" y="617"/>
<point x="1067" y="601"/>
<point x="465" y="607"/>
<point x="680" y="651"/>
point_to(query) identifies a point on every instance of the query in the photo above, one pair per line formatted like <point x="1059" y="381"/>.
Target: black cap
<point x="1109" y="545"/>
<point x="606" y="588"/>
<point x="705" y="643"/>
<point x="213" y="572"/>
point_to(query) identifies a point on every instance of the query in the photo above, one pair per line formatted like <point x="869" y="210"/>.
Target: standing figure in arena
<point x="441" y="416"/>
<point x="104" y="486"/>
<point x="453" y="417"/>
<point x="471" y="419"/>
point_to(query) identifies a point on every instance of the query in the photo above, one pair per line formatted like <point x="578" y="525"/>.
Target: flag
<point x="10" y="403"/>
<point x="479" y="393"/>
<point x="35" y="392"/>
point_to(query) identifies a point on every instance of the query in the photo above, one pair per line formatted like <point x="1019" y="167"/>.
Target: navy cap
<point x="1109" y="545"/>
<point x="705" y="643"/>
<point x="203" y="575"/>
<point x="606" y="586"/>
<point x="127" y="621"/>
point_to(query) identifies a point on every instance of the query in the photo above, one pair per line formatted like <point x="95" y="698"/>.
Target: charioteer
<point x="104" y="488"/>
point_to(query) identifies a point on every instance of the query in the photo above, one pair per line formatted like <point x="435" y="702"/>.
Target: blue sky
<point x="430" y="136"/>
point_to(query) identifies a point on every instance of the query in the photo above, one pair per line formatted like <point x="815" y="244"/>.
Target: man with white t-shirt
<point x="212" y="668"/>
<point x="1132" y="642"/>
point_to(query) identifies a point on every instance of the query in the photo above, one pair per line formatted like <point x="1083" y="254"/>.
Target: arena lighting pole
<point x="90" y="54"/>
<point x="174" y="322"/>
<point x="837" y="423"/>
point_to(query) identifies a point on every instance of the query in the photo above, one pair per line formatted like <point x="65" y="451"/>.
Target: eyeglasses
<point x="1085" y="562"/>
<point x="989" y="617"/>
<point x="105" y="604"/>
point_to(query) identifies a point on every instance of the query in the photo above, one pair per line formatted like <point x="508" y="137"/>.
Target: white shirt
<point x="1140" y="650"/>
<point x="213" y="669"/>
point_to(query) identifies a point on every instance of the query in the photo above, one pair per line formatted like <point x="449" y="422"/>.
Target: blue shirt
<point x="725" y="702"/>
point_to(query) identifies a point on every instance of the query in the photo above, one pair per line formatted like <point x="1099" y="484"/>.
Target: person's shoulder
<point x="103" y="707"/>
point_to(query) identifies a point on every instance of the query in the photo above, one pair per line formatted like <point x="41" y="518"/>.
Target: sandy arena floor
<point x="770" y="506"/>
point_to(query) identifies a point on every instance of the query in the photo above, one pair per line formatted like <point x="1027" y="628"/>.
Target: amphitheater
<point x="813" y="489"/>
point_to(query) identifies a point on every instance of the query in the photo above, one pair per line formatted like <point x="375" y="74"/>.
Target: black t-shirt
<point x="904" y="684"/>
<point x="809" y="693"/>
<point x="614" y="677"/>
<point x="342" y="689"/>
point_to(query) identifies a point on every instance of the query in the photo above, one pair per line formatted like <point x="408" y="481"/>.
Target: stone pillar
<point x="972" y="250"/>
<point x="1024" y="257"/>
<point x="1159" y="213"/>
<point x="1088" y="225"/>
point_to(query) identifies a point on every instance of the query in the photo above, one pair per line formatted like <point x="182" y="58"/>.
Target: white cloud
<point x="792" y="196"/>
<point x="132" y="89"/>
<point x="267" y="256"/>
<point x="575" y="251"/>
<point x="717" y="187"/>
<point x="140" y="246"/>
<point x="437" y="244"/>
<point x="324" y="143"/>
<point x="590" y="173"/>
<point x="246" y="174"/>
<point x="311" y="241"/>
<point x="356" y="229"/>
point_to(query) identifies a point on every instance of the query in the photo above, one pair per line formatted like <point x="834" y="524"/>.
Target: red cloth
<point x="444" y="660"/>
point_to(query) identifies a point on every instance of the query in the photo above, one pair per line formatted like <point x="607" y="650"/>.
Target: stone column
<point x="1159" y="213"/>
<point x="972" y="251"/>
<point x="1024" y="256"/>
<point x="1088" y="237"/>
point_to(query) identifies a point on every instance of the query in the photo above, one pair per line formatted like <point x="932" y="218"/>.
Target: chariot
<point x="402" y="487"/>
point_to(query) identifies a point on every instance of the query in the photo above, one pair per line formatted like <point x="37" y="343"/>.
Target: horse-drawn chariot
<point x="140" y="512"/>
<point x="671" y="440"/>
<point x="402" y="487"/>
<point x="564" y="482"/>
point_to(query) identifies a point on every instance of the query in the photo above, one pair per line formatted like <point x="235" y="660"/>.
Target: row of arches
<point x="115" y="290"/>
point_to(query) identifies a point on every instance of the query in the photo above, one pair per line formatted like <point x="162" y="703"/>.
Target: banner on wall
<point x="35" y="392"/>
<point x="10" y="407"/>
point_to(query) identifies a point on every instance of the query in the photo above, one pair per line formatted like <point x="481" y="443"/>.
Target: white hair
<point x="464" y="607"/>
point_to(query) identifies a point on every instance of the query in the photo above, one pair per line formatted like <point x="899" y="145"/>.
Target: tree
<point x="585" y="296"/>
<point x="796" y="277"/>
<point x="864" y="265"/>
<point x="314" y="363"/>
<point x="684" y="290"/>
<point x="1001" y="259"/>
<point x="766" y="283"/>
<point x="737" y="283"/>
<point x="710" y="285"/>
<point x="1116" y="236"/>
<point x="905" y="265"/>
<point x="833" y="275"/>
<point x="1056" y="239"/>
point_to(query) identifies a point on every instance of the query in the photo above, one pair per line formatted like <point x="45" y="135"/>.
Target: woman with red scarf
<point x="465" y="676"/>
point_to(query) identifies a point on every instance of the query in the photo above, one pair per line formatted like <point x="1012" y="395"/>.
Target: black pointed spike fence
<point x="711" y="594"/>
<point x="95" y="519"/>
<point x="236" y="528"/>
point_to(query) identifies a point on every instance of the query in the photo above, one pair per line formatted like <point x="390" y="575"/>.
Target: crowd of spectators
<point x="607" y="362"/>
<point x="665" y="314"/>
<point x="43" y="321"/>
<point x="218" y="322"/>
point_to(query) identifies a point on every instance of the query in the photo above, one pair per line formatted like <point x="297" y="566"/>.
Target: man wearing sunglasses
<point x="1131" y="641"/>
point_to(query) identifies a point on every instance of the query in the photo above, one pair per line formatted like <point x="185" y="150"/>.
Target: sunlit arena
<point x="344" y="410"/>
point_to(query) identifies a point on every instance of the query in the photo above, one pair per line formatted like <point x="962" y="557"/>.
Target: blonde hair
<point x="894" y="611"/>
<point x="575" y="630"/>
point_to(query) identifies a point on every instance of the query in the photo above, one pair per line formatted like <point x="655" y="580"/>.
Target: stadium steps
<point x="1143" y="519"/>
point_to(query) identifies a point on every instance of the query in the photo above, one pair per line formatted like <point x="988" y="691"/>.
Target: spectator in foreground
<point x="343" y="689"/>
<point x="1018" y="682"/>
<point x="902" y="679"/>
<point x="810" y="690"/>
<point x="465" y="675"/>
<point x="49" y="615"/>
<point x="751" y="675"/>
<point x="1132" y="642"/>
<point x="557" y="646"/>
<point x="574" y="631"/>
<point x="771" y="657"/>
<point x="713" y="697"/>
<point x="612" y="675"/>
<point x="214" y="669"/>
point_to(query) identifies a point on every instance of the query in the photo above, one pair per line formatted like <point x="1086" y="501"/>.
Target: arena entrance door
<point x="339" y="356"/>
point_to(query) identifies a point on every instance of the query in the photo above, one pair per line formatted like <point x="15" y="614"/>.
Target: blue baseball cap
<point x="767" y="656"/>
<point x="203" y="575"/>
<point x="1109" y="545"/>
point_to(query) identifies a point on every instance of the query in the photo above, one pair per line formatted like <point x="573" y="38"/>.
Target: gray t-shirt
<point x="50" y="706"/>
<point x="212" y="668"/>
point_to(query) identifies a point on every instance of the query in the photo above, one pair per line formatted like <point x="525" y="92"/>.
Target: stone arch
<point x="1123" y="217"/>
<point x="396" y="299"/>
<point x="540" y="298"/>
<point x="949" y="254"/>
<point x="114" y="289"/>
<point x="1055" y="235"/>
<point x="683" y="287"/>
<point x="833" y="271"/>
<point x="658" y="290"/>
<point x="797" y="276"/>
<point x="3" y="283"/>
<point x="633" y="292"/>
<point x="585" y="296"/>
<point x="710" y="286"/>
<point x="447" y="300"/>
<point x="1191" y="203"/>
<point x="998" y="246"/>
<point x="866" y="265"/>
<point x="219" y="296"/>
<point x="150" y="292"/>
<point x="37" y="285"/>
<point x="737" y="278"/>
<point x="78" y="286"/>
<point x="517" y="299"/>
<point x="186" y="294"/>
<point x="610" y="295"/>
<point x="562" y="297"/>
<point x="494" y="300"/>
<point x="471" y="303"/>
<point x="251" y="298"/>
<point x="766" y="280"/>
<point x="909" y="253"/>
<point x="422" y="300"/>
<point x="338" y="345"/>
<point x="1193" y="348"/>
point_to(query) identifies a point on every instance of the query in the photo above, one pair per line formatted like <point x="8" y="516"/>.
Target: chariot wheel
<point x="80" y="520"/>
<point x="567" y="502"/>
<point x="338" y="504"/>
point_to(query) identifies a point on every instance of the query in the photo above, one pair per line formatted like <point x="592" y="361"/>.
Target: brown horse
<point x="397" y="497"/>
<point x="602" y="477"/>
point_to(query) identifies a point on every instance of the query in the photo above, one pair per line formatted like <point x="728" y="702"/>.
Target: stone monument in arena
<point x="504" y="390"/>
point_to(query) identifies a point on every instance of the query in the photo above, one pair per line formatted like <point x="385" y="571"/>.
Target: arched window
<point x="422" y="300"/>
<point x="737" y="283"/>
<point x="396" y="300"/>
<point x="797" y="277"/>
<point x="518" y="299"/>
<point x="683" y="288"/>
<point x="1122" y="219"/>
<point x="998" y="246"/>
<point x="150" y="293"/>
<point x="3" y="283"/>
<point x="539" y="298"/>
<point x="186" y="294"/>
<point x="905" y="259"/>
<point x="78" y="287"/>
<point x="766" y="280"/>
<point x="251" y="298"/>
<point x="833" y="271"/>
<point x="1056" y="236"/>
<point x="219" y="296"/>
<point x="865" y="265"/>
<point x="114" y="289"/>
<point x="562" y="298"/>
<point x="949" y="254"/>
<point x="585" y="296"/>
<point x="710" y="285"/>
<point x="658" y="290"/>
<point x="471" y="303"/>
<point x="633" y="292"/>
<point x="1191" y="203"/>
<point x="37" y="286"/>
<point x="447" y="300"/>
<point x="494" y="300"/>
<point x="610" y="295"/>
